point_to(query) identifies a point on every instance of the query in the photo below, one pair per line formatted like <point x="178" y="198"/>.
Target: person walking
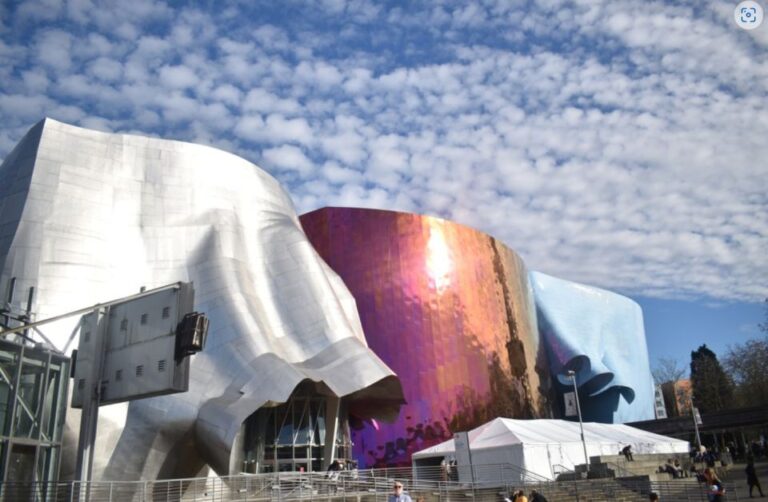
<point x="537" y="497"/>
<point x="444" y="470"/>
<point x="752" y="480"/>
<point x="398" y="495"/>
<point x="715" y="488"/>
<point x="334" y="470"/>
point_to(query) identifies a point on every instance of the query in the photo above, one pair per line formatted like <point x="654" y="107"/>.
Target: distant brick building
<point x="677" y="397"/>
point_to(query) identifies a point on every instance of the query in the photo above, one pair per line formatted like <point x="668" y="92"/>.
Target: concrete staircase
<point x="571" y="491"/>
<point x="591" y="491"/>
<point x="644" y="474"/>
<point x="649" y="464"/>
<point x="610" y="478"/>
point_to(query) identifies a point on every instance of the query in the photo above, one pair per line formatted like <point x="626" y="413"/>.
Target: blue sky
<point x="675" y="328"/>
<point x="622" y="144"/>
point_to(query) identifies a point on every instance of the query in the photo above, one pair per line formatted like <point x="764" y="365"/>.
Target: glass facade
<point x="291" y="437"/>
<point x="33" y="401"/>
<point x="450" y="310"/>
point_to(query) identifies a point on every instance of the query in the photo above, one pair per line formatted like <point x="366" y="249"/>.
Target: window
<point x="139" y="370"/>
<point x="161" y="365"/>
<point x="124" y="325"/>
<point x="118" y="375"/>
<point x="166" y="312"/>
<point x="32" y="435"/>
<point x="144" y="318"/>
<point x="291" y="436"/>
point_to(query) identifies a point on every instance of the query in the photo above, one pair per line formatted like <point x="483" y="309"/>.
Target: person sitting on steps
<point x="683" y="473"/>
<point x="670" y="468"/>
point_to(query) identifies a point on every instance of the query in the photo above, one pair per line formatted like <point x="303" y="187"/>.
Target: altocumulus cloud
<point x="616" y="143"/>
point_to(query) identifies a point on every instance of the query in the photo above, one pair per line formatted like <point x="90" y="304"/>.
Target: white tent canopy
<point x="539" y="445"/>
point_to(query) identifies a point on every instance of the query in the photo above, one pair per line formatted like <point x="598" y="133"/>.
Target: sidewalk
<point x="736" y="481"/>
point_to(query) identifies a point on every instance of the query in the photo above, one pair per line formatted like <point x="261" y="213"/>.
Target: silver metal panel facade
<point x="87" y="216"/>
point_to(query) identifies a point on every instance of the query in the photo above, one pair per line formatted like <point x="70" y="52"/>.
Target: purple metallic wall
<point x="450" y="310"/>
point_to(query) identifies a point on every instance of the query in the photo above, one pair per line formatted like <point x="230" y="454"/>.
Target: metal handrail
<point x="619" y="470"/>
<point x="372" y="483"/>
<point x="563" y="469"/>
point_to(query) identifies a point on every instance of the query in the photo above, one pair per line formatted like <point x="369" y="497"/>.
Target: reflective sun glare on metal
<point x="439" y="262"/>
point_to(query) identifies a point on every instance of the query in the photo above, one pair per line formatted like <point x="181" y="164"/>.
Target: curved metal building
<point x="88" y="216"/>
<point x="599" y="335"/>
<point x="450" y="310"/>
<point x="472" y="334"/>
<point x="306" y="359"/>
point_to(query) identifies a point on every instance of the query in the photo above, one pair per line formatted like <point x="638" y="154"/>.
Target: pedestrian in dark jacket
<point x="752" y="480"/>
<point x="537" y="497"/>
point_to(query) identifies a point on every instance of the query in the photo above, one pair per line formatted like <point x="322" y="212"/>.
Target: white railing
<point x="272" y="486"/>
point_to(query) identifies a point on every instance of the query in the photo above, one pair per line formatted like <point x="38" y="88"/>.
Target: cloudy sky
<point x="621" y="143"/>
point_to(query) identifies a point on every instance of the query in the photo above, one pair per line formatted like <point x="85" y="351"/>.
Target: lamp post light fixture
<point x="572" y="375"/>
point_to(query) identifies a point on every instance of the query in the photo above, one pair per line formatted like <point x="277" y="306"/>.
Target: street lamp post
<point x="572" y="375"/>
<point x="696" y="422"/>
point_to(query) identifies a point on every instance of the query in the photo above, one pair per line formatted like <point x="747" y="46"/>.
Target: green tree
<point x="712" y="388"/>
<point x="764" y="326"/>
<point x="745" y="363"/>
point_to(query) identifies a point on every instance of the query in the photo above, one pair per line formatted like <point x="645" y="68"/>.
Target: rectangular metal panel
<point x="139" y="348"/>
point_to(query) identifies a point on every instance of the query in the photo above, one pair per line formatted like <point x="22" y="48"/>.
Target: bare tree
<point x="746" y="365"/>
<point x="667" y="370"/>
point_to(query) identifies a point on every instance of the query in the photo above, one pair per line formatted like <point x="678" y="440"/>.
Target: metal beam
<point x="86" y="310"/>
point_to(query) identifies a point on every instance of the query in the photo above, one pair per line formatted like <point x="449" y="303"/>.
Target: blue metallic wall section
<point x="600" y="335"/>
